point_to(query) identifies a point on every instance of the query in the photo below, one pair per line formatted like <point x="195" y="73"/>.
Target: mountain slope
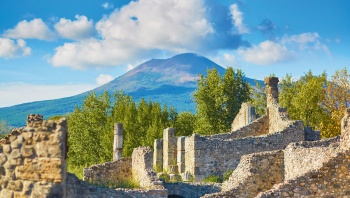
<point x="170" y="81"/>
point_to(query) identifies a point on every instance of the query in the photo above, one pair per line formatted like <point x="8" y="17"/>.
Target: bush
<point x="212" y="179"/>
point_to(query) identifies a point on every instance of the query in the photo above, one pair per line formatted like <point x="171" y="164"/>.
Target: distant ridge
<point x="171" y="81"/>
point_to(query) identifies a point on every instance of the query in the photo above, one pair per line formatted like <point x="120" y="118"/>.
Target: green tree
<point x="303" y="98"/>
<point x="258" y="98"/>
<point x="86" y="127"/>
<point x="219" y="100"/>
<point x="184" y="124"/>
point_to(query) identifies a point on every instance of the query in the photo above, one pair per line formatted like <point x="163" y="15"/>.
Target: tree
<point x="303" y="98"/>
<point x="86" y="129"/>
<point x="219" y="100"/>
<point x="337" y="99"/>
<point x="258" y="98"/>
<point x="184" y="124"/>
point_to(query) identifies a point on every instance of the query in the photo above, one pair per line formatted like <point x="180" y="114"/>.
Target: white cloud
<point x="79" y="29"/>
<point x="11" y="49"/>
<point x="226" y="58"/>
<point x="34" y="29"/>
<point x="103" y="79"/>
<point x="136" y="30"/>
<point x="305" y="41"/>
<point x="284" y="49"/>
<point x="237" y="18"/>
<point x="18" y="93"/>
<point x="107" y="6"/>
<point x="266" y="52"/>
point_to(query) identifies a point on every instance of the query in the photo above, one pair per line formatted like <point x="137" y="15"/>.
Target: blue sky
<point x="52" y="49"/>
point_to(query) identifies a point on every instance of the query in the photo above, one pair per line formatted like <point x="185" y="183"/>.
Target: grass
<point x="76" y="170"/>
<point x="118" y="184"/>
<point x="212" y="179"/>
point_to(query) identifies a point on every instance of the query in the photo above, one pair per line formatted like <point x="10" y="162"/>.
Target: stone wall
<point x="80" y="189"/>
<point x="327" y="178"/>
<point x="256" y="173"/>
<point x="258" y="127"/>
<point x="245" y="116"/>
<point x="142" y="170"/>
<point x="109" y="172"/>
<point x="331" y="180"/>
<point x="32" y="159"/>
<point x="301" y="157"/>
<point x="210" y="156"/>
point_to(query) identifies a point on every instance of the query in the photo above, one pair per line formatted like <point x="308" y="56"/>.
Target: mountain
<point x="170" y="81"/>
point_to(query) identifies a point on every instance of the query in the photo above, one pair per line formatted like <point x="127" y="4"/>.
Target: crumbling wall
<point x="207" y="156"/>
<point x="330" y="179"/>
<point x="142" y="171"/>
<point x="245" y="116"/>
<point x="256" y="173"/>
<point x="258" y="127"/>
<point x="32" y="159"/>
<point x="80" y="189"/>
<point x="301" y="157"/>
<point x="109" y="172"/>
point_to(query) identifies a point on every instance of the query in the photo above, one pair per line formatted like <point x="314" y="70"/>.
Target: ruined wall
<point x="142" y="171"/>
<point x="80" y="189"/>
<point x="256" y="173"/>
<point x="109" y="172"/>
<point x="332" y="180"/>
<point x="32" y="159"/>
<point x="301" y="157"/>
<point x="206" y="156"/>
<point x="258" y="127"/>
<point x="245" y="116"/>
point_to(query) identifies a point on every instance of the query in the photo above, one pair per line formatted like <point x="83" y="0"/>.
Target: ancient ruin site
<point x="269" y="156"/>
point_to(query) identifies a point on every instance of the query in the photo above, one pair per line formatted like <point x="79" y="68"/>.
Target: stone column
<point x="169" y="148"/>
<point x="272" y="89"/>
<point x="118" y="141"/>
<point x="158" y="155"/>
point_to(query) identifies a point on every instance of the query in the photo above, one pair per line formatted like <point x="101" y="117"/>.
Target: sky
<point x="52" y="49"/>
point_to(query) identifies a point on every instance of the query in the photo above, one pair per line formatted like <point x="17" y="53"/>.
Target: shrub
<point x="212" y="179"/>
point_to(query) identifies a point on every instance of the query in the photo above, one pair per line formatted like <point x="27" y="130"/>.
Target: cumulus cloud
<point x="103" y="79"/>
<point x="34" y="29"/>
<point x="18" y="93"/>
<point x="10" y="49"/>
<point x="78" y="29"/>
<point x="107" y="6"/>
<point x="265" y="53"/>
<point x="305" y="41"/>
<point x="136" y="30"/>
<point x="282" y="50"/>
<point x="237" y="18"/>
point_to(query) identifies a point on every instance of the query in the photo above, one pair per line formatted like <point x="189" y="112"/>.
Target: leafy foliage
<point x="219" y="100"/>
<point x="258" y="98"/>
<point x="90" y="136"/>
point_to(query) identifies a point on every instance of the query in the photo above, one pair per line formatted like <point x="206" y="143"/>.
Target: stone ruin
<point x="271" y="156"/>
